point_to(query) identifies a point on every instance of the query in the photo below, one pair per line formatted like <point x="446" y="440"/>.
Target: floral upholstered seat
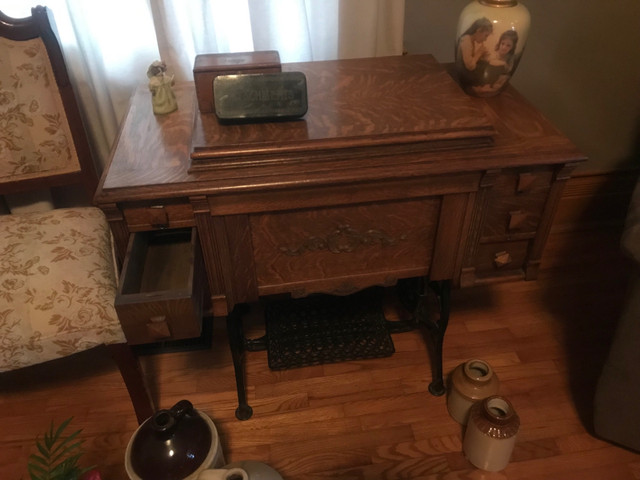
<point x="57" y="271"/>
<point x="57" y="286"/>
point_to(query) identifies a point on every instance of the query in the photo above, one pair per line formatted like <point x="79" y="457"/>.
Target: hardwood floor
<point x="370" y="419"/>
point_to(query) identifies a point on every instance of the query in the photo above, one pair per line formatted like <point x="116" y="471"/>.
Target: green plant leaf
<point x="67" y="450"/>
<point x="43" y="450"/>
<point x="59" y="455"/>
<point x="33" y="469"/>
<point x="62" y="426"/>
<point x="85" y="470"/>
<point x="38" y="459"/>
<point x="62" y="443"/>
<point x="66" y="467"/>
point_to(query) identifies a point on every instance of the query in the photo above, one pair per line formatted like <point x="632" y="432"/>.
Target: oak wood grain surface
<point x="390" y="101"/>
<point x="384" y="134"/>
<point x="381" y="135"/>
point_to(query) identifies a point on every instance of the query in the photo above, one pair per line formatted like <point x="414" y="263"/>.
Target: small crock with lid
<point x="174" y="444"/>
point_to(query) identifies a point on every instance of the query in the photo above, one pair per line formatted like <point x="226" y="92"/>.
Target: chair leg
<point x="133" y="377"/>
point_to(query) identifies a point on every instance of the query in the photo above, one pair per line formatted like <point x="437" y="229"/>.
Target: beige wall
<point x="581" y="67"/>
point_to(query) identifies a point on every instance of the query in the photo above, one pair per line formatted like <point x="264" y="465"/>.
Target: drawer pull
<point x="525" y="182"/>
<point x="517" y="219"/>
<point x="502" y="259"/>
<point x="158" y="327"/>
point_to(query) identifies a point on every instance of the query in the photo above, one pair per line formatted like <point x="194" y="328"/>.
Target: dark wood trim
<point x="134" y="379"/>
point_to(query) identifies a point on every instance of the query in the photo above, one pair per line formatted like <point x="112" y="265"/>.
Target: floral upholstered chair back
<point x="43" y="142"/>
<point x="35" y="138"/>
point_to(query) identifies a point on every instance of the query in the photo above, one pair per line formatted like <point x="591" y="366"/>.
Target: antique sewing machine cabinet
<point x="393" y="173"/>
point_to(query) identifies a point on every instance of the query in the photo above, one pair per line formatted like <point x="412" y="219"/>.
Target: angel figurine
<point x="162" y="97"/>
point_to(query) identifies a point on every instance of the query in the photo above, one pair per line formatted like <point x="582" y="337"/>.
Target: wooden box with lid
<point x="208" y="66"/>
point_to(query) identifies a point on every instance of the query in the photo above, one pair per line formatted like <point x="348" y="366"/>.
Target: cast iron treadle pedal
<point x="326" y="329"/>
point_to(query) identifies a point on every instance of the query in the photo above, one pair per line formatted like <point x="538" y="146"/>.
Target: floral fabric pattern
<point x="57" y="285"/>
<point x="34" y="135"/>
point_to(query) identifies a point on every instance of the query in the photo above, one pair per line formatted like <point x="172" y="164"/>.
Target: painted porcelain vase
<point x="490" y="39"/>
<point x="491" y="433"/>
<point x="469" y="383"/>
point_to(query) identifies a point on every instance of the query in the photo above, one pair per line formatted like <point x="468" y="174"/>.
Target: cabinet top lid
<point x="352" y="104"/>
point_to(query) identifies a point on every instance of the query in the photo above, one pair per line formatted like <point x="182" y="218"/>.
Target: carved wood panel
<point x="384" y="240"/>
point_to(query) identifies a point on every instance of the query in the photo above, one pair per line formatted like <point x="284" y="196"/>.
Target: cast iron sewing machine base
<point x="429" y="302"/>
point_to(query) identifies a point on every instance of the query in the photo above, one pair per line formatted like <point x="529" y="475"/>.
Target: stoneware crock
<point x="254" y="471"/>
<point x="174" y="444"/>
<point x="491" y="433"/>
<point x="469" y="383"/>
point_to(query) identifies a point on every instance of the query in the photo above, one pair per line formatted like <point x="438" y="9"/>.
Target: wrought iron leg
<point x="420" y="296"/>
<point x="436" y="324"/>
<point x="236" y="343"/>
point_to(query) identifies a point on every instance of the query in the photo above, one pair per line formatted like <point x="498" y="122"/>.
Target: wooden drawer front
<point x="381" y="241"/>
<point x="515" y="203"/>
<point x="513" y="217"/>
<point x="172" y="214"/>
<point x="160" y="291"/>
<point x="502" y="258"/>
<point x="521" y="182"/>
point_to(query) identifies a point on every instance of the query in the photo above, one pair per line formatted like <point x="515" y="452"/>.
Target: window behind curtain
<point x="108" y="46"/>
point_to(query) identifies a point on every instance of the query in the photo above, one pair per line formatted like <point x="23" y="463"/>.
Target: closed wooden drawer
<point x="515" y="203"/>
<point x="376" y="242"/>
<point x="160" y="291"/>
<point x="513" y="217"/>
<point x="521" y="182"/>
<point x="159" y="215"/>
<point x="502" y="258"/>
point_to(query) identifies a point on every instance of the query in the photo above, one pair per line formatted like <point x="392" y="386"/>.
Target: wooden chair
<point x="57" y="272"/>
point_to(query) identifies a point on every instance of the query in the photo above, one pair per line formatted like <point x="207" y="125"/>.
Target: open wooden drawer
<point x="161" y="290"/>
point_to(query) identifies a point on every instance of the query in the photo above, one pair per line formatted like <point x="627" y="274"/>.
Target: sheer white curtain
<point x="108" y="46"/>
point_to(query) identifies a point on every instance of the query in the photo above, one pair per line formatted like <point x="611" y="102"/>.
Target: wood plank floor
<point x="369" y="419"/>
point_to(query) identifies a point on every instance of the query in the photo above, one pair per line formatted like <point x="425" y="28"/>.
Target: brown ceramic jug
<point x="174" y="444"/>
